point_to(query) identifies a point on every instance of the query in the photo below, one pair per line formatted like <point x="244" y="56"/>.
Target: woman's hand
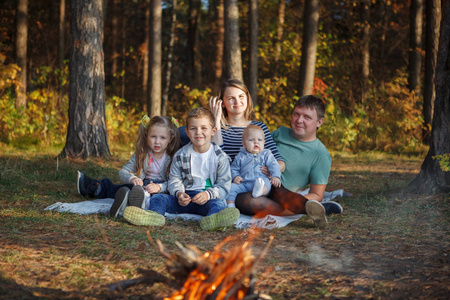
<point x="153" y="188"/>
<point x="215" y="104"/>
<point x="136" y="181"/>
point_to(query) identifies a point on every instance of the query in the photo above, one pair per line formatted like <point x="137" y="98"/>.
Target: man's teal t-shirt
<point x="306" y="162"/>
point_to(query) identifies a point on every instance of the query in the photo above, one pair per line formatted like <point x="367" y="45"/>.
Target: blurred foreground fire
<point x="219" y="274"/>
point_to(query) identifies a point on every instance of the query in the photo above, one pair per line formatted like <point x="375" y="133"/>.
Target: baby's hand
<point x="238" y="179"/>
<point x="183" y="199"/>
<point x="265" y="171"/>
<point x="200" y="198"/>
<point x="136" y="181"/>
<point x="276" y="182"/>
<point x="153" y="188"/>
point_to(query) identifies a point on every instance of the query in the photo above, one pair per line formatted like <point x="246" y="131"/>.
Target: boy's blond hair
<point x="201" y="112"/>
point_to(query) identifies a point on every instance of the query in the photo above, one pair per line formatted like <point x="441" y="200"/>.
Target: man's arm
<point x="316" y="192"/>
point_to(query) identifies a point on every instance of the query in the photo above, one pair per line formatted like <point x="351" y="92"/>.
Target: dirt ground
<point x="386" y="245"/>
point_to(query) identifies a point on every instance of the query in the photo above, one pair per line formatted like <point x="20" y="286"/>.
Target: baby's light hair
<point x="142" y="148"/>
<point x="252" y="128"/>
<point x="201" y="112"/>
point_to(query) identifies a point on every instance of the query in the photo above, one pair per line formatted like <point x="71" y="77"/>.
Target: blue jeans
<point x="108" y="189"/>
<point x="162" y="203"/>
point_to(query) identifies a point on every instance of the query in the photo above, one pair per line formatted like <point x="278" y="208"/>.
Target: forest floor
<point x="386" y="244"/>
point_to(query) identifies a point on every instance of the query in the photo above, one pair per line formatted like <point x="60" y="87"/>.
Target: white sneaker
<point x="258" y="188"/>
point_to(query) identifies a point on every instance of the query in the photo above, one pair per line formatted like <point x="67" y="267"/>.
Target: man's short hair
<point x="201" y="112"/>
<point x="312" y="102"/>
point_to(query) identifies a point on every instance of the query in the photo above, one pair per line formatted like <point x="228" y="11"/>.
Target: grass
<point x="385" y="245"/>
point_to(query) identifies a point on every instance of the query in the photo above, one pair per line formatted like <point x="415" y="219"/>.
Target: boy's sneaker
<point x="137" y="196"/>
<point x="226" y="217"/>
<point x="332" y="207"/>
<point x="316" y="211"/>
<point x="138" y="216"/>
<point x="120" y="201"/>
<point x="86" y="186"/>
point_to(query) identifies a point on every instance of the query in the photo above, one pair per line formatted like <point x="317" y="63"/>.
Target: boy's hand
<point x="183" y="199"/>
<point x="153" y="188"/>
<point x="238" y="179"/>
<point x="136" y="181"/>
<point x="201" y="198"/>
<point x="276" y="182"/>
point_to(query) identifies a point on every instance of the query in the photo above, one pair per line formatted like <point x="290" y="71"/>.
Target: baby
<point x="246" y="168"/>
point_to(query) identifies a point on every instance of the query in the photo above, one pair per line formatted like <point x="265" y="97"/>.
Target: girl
<point x="146" y="171"/>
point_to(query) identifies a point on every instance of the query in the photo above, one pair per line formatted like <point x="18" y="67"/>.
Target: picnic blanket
<point x="102" y="206"/>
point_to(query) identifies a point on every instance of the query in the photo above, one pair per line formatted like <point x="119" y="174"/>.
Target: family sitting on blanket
<point x="302" y="158"/>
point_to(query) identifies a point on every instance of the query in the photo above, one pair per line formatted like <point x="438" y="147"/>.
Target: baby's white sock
<point x="258" y="188"/>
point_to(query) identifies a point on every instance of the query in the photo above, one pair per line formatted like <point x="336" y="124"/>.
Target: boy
<point x="199" y="180"/>
<point x="246" y="167"/>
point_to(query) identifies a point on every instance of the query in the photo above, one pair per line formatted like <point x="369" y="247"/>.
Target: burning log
<point x="219" y="274"/>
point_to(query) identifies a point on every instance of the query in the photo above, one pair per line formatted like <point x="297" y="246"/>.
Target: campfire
<point x="219" y="274"/>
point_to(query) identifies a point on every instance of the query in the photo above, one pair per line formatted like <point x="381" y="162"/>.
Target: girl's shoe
<point x="138" y="216"/>
<point x="316" y="211"/>
<point x="120" y="201"/>
<point x="136" y="196"/>
<point x="226" y="217"/>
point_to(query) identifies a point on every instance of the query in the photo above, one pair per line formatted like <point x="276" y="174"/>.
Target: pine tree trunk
<point x="432" y="179"/>
<point x="232" y="40"/>
<point x="195" y="66"/>
<point x="220" y="42"/>
<point x="155" y="60"/>
<point x="415" y="44"/>
<point x="433" y="20"/>
<point x="280" y="25"/>
<point x="365" y="72"/>
<point x="21" y="51"/>
<point x="61" y="35"/>
<point x="86" y="132"/>
<point x="173" y="28"/>
<point x="309" y="47"/>
<point x="253" y="51"/>
<point x="146" y="56"/>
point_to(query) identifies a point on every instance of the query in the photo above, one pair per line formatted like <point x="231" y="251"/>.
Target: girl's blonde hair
<point x="142" y="147"/>
<point x="240" y="85"/>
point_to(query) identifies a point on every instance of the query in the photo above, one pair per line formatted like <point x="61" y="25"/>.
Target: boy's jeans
<point x="162" y="203"/>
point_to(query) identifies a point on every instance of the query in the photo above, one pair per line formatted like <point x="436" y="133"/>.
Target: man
<point x="307" y="161"/>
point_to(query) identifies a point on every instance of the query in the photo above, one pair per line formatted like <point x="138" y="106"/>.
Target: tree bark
<point x="232" y="40"/>
<point x="365" y="49"/>
<point x="280" y="25"/>
<point x="433" y="20"/>
<point x="173" y="28"/>
<point x="220" y="42"/>
<point x="114" y="46"/>
<point x="195" y="65"/>
<point x="309" y="47"/>
<point x="253" y="51"/>
<point x="61" y="35"/>
<point x="21" y="51"/>
<point x="154" y="104"/>
<point x="415" y="44"/>
<point x="86" y="132"/>
<point x="432" y="179"/>
<point x="146" y="55"/>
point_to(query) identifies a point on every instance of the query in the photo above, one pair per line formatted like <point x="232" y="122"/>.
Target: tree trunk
<point x="195" y="67"/>
<point x="123" y="31"/>
<point x="21" y="52"/>
<point x="433" y="20"/>
<point x="61" y="35"/>
<point x="173" y="28"/>
<point x="432" y="179"/>
<point x="365" y="49"/>
<point x="86" y="132"/>
<point x="220" y="41"/>
<point x="154" y="104"/>
<point x="146" y="55"/>
<point x="232" y="40"/>
<point x="253" y="51"/>
<point x="415" y="44"/>
<point x="115" y="44"/>
<point x="280" y="25"/>
<point x="309" y="47"/>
